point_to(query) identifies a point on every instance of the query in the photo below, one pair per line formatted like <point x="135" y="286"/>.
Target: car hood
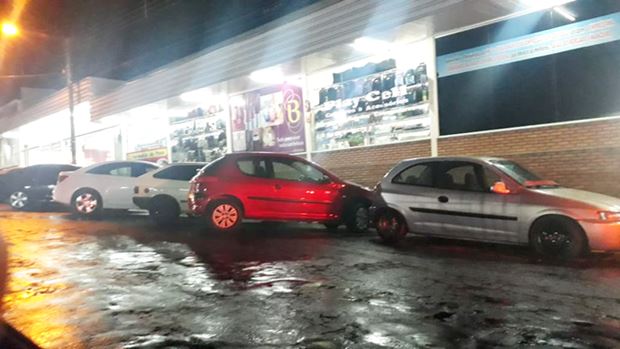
<point x="600" y="201"/>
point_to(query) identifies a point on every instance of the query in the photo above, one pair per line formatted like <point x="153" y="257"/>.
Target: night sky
<point x="122" y="39"/>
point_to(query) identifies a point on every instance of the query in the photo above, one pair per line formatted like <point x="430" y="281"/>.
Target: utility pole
<point x="69" y="77"/>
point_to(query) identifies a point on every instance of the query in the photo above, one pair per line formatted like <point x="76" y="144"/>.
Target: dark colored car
<point x="276" y="187"/>
<point x="31" y="186"/>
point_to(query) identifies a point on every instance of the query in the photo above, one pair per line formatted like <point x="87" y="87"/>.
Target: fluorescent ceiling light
<point x="271" y="75"/>
<point x="371" y="45"/>
<point x="565" y="13"/>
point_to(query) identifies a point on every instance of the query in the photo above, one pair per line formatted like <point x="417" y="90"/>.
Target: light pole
<point x="11" y="30"/>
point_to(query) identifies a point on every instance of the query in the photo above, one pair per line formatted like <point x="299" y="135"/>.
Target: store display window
<point x="197" y="123"/>
<point x="376" y="100"/>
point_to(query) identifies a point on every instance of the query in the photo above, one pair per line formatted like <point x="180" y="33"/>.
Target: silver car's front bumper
<point x="602" y="236"/>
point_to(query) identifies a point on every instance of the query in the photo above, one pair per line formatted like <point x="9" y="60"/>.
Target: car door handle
<point x="443" y="199"/>
<point x="277" y="186"/>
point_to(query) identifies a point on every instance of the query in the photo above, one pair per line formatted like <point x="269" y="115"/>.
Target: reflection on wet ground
<point x="122" y="282"/>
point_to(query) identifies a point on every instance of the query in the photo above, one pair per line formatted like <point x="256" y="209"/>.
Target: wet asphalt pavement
<point x="121" y="282"/>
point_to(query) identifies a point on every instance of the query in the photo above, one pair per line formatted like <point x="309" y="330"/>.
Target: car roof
<point x="261" y="153"/>
<point x="484" y="159"/>
<point x="119" y="162"/>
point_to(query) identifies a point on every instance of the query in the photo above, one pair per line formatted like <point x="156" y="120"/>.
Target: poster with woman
<point x="270" y="119"/>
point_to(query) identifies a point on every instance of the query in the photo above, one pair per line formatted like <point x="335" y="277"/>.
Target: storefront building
<point x="357" y="86"/>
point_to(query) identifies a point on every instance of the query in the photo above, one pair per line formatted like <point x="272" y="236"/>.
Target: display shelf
<point x="220" y="115"/>
<point x="204" y="134"/>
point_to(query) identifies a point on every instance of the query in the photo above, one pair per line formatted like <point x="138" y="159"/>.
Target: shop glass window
<point x="421" y="175"/>
<point x="253" y="167"/>
<point x="373" y="101"/>
<point x="459" y="176"/>
<point x="297" y="171"/>
<point x="179" y="172"/>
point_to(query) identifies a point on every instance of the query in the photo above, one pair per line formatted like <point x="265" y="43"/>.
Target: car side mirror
<point x="500" y="188"/>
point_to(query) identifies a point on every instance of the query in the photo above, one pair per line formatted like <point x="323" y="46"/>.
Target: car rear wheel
<point x="19" y="200"/>
<point x="87" y="203"/>
<point x="391" y="226"/>
<point x="558" y="237"/>
<point x="164" y="211"/>
<point x="358" y="218"/>
<point x="225" y="216"/>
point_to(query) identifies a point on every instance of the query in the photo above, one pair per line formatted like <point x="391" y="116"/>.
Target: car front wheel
<point x="87" y="203"/>
<point x="558" y="237"/>
<point x="18" y="200"/>
<point x="225" y="216"/>
<point x="391" y="226"/>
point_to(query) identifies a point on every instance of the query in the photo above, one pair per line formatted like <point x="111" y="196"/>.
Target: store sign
<point x="149" y="155"/>
<point x="587" y="33"/>
<point x="269" y="119"/>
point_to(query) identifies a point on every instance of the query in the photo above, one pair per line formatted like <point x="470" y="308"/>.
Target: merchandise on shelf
<point x="199" y="136"/>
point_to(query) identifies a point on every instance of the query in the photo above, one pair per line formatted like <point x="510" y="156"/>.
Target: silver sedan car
<point x="494" y="200"/>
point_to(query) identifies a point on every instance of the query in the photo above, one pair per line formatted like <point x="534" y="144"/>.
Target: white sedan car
<point x="107" y="185"/>
<point x="164" y="192"/>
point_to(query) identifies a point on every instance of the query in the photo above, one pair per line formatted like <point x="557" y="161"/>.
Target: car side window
<point x="294" y="170"/>
<point x="47" y="175"/>
<point x="138" y="170"/>
<point x="420" y="175"/>
<point x="457" y="175"/>
<point x="179" y="172"/>
<point x="253" y="167"/>
<point x="490" y="178"/>
<point x="121" y="170"/>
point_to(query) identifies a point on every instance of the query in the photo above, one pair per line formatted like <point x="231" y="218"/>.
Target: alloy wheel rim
<point x="19" y="199"/>
<point x="225" y="216"/>
<point x="554" y="240"/>
<point x="86" y="203"/>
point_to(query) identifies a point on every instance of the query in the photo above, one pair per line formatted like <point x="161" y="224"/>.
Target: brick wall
<point x="367" y="165"/>
<point x="582" y="155"/>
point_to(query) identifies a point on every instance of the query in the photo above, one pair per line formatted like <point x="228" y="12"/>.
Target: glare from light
<point x="544" y="4"/>
<point x="237" y="101"/>
<point x="565" y="13"/>
<point x="371" y="45"/>
<point x="271" y="75"/>
<point x="196" y="95"/>
<point x="9" y="29"/>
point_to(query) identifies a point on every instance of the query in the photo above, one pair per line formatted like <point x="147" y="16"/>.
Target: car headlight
<point x="609" y="216"/>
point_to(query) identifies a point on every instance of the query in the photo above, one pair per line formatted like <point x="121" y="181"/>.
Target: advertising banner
<point x="152" y="155"/>
<point x="269" y="119"/>
<point x="591" y="32"/>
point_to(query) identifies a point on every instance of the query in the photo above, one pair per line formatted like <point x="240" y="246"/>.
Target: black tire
<point x="332" y="227"/>
<point x="558" y="238"/>
<point x="224" y="216"/>
<point x="164" y="211"/>
<point x="87" y="203"/>
<point x="391" y="226"/>
<point x="357" y="218"/>
<point x="19" y="201"/>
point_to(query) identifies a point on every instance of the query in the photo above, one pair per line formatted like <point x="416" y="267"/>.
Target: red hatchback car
<point x="279" y="187"/>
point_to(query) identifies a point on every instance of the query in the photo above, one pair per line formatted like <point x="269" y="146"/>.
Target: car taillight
<point x="62" y="177"/>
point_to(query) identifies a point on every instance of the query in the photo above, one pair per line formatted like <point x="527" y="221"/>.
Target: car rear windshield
<point x="211" y="168"/>
<point x="516" y="171"/>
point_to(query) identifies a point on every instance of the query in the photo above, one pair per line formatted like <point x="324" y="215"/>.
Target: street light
<point x="10" y="30"/>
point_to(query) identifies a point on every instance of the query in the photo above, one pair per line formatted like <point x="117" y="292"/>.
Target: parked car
<point x="494" y="200"/>
<point x="31" y="187"/>
<point x="4" y="194"/>
<point x="107" y="185"/>
<point x="276" y="187"/>
<point x="164" y="192"/>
